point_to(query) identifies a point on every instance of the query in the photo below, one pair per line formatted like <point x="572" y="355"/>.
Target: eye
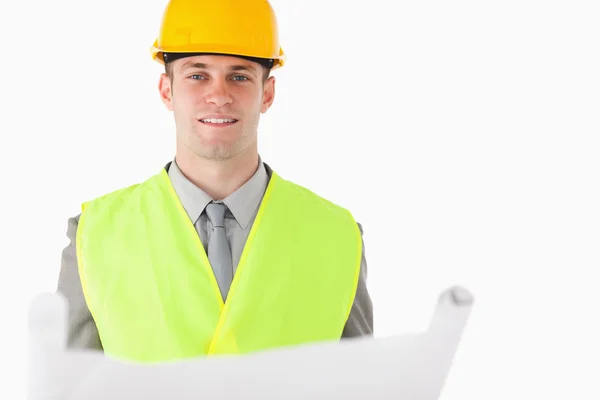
<point x="195" y="76"/>
<point x="241" y="77"/>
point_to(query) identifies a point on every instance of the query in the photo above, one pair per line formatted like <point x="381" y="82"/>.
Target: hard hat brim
<point x="158" y="54"/>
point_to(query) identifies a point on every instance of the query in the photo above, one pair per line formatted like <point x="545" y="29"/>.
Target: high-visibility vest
<point x="152" y="293"/>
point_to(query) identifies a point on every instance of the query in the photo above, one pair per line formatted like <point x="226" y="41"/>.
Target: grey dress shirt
<point x="242" y="207"/>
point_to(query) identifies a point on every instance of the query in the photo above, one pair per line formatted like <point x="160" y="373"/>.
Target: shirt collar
<point x="242" y="203"/>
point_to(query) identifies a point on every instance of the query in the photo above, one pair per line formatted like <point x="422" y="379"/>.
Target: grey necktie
<point x="219" y="253"/>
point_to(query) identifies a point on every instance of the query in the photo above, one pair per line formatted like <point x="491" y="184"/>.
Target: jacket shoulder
<point x="120" y="193"/>
<point x="309" y="193"/>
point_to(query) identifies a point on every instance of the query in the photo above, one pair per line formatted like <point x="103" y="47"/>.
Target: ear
<point x="164" y="88"/>
<point x="268" y="94"/>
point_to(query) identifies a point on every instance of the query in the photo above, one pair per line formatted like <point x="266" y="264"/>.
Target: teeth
<point x="217" y="121"/>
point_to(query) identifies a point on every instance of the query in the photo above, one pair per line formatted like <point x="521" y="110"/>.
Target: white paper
<point x="411" y="366"/>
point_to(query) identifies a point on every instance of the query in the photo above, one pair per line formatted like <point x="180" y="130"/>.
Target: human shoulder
<point x="120" y="191"/>
<point x="324" y="200"/>
<point x="306" y="190"/>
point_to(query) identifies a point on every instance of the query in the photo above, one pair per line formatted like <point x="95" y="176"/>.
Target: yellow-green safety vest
<point x="152" y="293"/>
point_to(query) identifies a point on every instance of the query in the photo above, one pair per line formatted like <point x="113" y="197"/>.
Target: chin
<point x="213" y="150"/>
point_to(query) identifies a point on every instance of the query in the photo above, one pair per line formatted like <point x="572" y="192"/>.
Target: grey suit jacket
<point x="243" y="205"/>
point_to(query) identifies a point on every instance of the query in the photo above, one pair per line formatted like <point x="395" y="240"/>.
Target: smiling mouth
<point x="218" y="121"/>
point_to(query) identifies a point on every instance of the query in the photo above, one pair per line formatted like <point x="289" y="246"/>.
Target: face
<point x="216" y="102"/>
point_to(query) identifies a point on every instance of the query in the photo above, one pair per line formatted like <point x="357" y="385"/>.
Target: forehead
<point x="216" y="62"/>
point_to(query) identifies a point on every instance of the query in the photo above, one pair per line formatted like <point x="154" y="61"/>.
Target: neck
<point x="218" y="178"/>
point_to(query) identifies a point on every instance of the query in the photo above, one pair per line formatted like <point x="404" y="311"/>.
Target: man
<point x="215" y="253"/>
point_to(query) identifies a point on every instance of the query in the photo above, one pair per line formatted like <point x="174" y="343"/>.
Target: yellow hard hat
<point x="246" y="28"/>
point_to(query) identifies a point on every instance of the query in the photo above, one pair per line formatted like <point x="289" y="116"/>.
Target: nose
<point x="218" y="93"/>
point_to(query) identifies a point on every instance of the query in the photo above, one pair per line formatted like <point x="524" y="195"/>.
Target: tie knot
<point x="216" y="214"/>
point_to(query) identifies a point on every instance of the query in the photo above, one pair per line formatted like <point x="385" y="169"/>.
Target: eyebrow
<point x="200" y="65"/>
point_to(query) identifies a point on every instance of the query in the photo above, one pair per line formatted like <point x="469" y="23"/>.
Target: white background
<point x="463" y="135"/>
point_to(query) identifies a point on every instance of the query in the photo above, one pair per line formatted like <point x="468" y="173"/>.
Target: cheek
<point x="187" y="101"/>
<point x="247" y="98"/>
